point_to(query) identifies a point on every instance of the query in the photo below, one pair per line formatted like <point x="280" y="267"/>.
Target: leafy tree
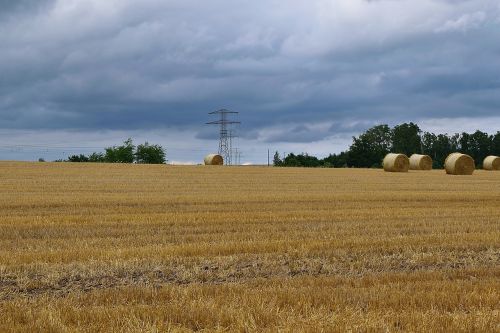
<point x="406" y="139"/>
<point x="428" y="142"/>
<point x="439" y="147"/>
<point x="308" y="161"/>
<point x="478" y="145"/>
<point x="454" y="142"/>
<point x="465" y="143"/>
<point x="495" y="144"/>
<point x="97" y="158"/>
<point x="336" y="161"/>
<point x="150" y="154"/>
<point x="302" y="160"/>
<point x="442" y="148"/>
<point x="78" y="158"/>
<point x="121" y="154"/>
<point x="277" y="160"/>
<point x="370" y="148"/>
<point x="291" y="161"/>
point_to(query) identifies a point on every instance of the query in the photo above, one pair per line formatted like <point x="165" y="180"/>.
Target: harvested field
<point x="125" y="248"/>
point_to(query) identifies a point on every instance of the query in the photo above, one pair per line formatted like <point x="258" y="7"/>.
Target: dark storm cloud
<point x="310" y="133"/>
<point x="306" y="71"/>
<point x="20" y="7"/>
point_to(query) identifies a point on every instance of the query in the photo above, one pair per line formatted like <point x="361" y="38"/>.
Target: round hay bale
<point x="491" y="163"/>
<point x="459" y="164"/>
<point x="214" y="159"/>
<point x="396" y="163"/>
<point x="420" y="162"/>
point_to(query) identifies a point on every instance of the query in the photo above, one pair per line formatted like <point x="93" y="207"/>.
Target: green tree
<point x="301" y="160"/>
<point x="150" y="154"/>
<point x="277" y="160"/>
<point x="439" y="147"/>
<point x="308" y="161"/>
<point x="370" y="148"/>
<point x="291" y="161"/>
<point x="428" y="141"/>
<point x="479" y="146"/>
<point x="495" y="144"/>
<point x="465" y="143"/>
<point x="78" y="158"/>
<point x="406" y="139"/>
<point x="443" y="147"/>
<point x="97" y="158"/>
<point x="335" y="161"/>
<point x="121" y="154"/>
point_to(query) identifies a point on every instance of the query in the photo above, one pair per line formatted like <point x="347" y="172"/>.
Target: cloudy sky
<point x="78" y="75"/>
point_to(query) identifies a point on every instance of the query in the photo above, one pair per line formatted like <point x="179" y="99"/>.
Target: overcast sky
<point x="78" y="75"/>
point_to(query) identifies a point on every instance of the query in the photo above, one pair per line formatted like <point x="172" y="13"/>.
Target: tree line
<point x="126" y="153"/>
<point x="368" y="149"/>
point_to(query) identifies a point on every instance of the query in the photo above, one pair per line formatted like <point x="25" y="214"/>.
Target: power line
<point x="26" y="148"/>
<point x="45" y="147"/>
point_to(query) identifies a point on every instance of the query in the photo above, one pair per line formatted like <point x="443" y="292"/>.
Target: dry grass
<point x="126" y="248"/>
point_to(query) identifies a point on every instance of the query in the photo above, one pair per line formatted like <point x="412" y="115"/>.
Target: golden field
<point x="136" y="248"/>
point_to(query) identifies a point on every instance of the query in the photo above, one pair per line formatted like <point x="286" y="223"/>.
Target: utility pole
<point x="268" y="162"/>
<point x="225" y="133"/>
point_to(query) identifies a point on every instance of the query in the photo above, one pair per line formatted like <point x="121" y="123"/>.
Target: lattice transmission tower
<point x="226" y="134"/>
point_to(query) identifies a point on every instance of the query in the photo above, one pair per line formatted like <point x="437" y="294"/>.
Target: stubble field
<point x="126" y="248"/>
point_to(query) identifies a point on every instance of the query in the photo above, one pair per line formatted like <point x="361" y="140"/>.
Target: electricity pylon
<point x="225" y="134"/>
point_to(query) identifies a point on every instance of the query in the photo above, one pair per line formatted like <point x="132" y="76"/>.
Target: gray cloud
<point x="11" y="9"/>
<point x="128" y="65"/>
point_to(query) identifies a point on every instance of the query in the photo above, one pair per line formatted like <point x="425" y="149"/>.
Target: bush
<point x="78" y="158"/>
<point x="126" y="153"/>
<point x="97" y="158"/>
<point x="120" y="154"/>
<point x="150" y="154"/>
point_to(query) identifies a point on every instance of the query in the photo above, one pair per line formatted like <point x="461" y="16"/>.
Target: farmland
<point x="125" y="248"/>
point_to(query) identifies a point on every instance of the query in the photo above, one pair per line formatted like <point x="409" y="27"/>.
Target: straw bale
<point x="459" y="164"/>
<point x="396" y="163"/>
<point x="214" y="159"/>
<point x="491" y="163"/>
<point x="420" y="162"/>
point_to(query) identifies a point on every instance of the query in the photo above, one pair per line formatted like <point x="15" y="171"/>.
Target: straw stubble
<point x="144" y="248"/>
